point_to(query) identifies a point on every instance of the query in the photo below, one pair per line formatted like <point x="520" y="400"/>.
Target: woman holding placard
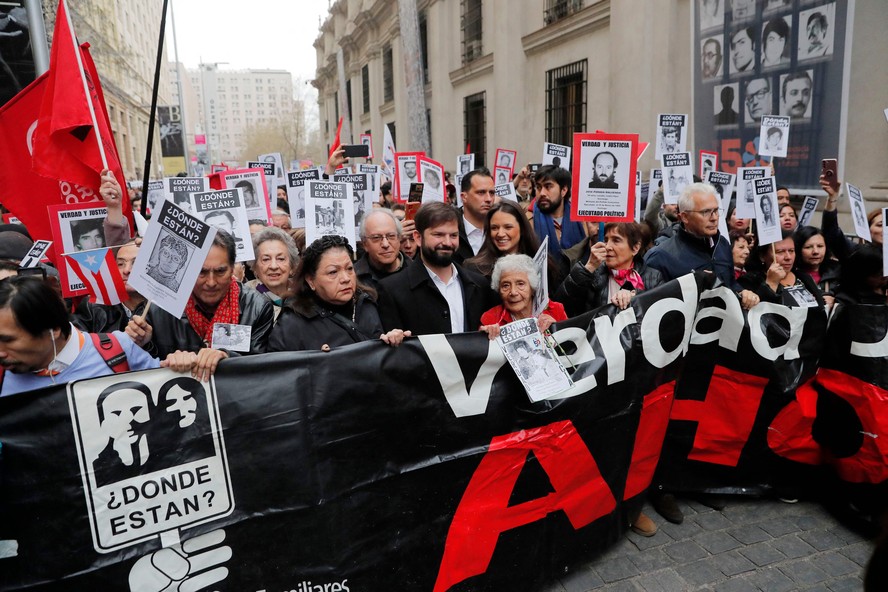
<point x="771" y="276"/>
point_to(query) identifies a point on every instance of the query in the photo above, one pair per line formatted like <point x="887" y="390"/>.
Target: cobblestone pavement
<point x="753" y="544"/>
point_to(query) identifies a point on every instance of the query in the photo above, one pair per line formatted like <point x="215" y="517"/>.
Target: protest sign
<point x="724" y="185"/>
<point x="406" y="172"/>
<point x="767" y="222"/>
<point x="179" y="190"/>
<point x="156" y="193"/>
<point x="809" y="206"/>
<point x="505" y="159"/>
<point x="269" y="169"/>
<point x="671" y="134"/>
<point x="296" y="194"/>
<point x="858" y="213"/>
<point x="232" y="337"/>
<point x="774" y="135"/>
<point x="171" y="257"/>
<point x="506" y="191"/>
<point x="277" y="160"/>
<point x="431" y="175"/>
<point x="708" y="162"/>
<point x="367" y="140"/>
<point x="533" y="361"/>
<point x="375" y="172"/>
<point x="362" y="196"/>
<point x="501" y="175"/>
<point x="746" y="189"/>
<point x="604" y="177"/>
<point x="255" y="191"/>
<point x="75" y="228"/>
<point x="224" y="209"/>
<point x="35" y="254"/>
<point x="465" y="163"/>
<point x="541" y="264"/>
<point x="678" y="173"/>
<point x="329" y="210"/>
<point x="557" y="155"/>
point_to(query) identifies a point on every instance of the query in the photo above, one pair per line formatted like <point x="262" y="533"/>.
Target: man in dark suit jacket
<point x="434" y="295"/>
<point x="478" y="196"/>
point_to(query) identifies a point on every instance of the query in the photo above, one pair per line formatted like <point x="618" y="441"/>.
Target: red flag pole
<point x="92" y="110"/>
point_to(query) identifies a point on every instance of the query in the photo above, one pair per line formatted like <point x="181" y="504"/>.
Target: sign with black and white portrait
<point x="329" y="208"/>
<point x="774" y="135"/>
<point x="224" y="209"/>
<point x="172" y="254"/>
<point x="151" y="455"/>
<point x="604" y="177"/>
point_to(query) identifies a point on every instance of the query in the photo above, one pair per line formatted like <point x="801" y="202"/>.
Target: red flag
<point x="66" y="143"/>
<point x="336" y="142"/>
<point x="468" y="147"/>
<point x="98" y="271"/>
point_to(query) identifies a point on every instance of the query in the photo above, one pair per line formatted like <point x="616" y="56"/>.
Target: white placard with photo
<point x="278" y="162"/>
<point x="223" y="209"/>
<point x="329" y="208"/>
<point x="408" y="172"/>
<point x="256" y="200"/>
<point x="501" y="175"/>
<point x="672" y="134"/>
<point x="171" y="257"/>
<point x="296" y="194"/>
<point x="362" y="196"/>
<point x="374" y="180"/>
<point x="858" y="213"/>
<point x="506" y="191"/>
<point x="724" y="185"/>
<point x="179" y="190"/>
<point x="533" y="360"/>
<point x="431" y="175"/>
<point x="746" y="190"/>
<point x="465" y="163"/>
<point x="767" y="222"/>
<point x="678" y="173"/>
<point x="809" y="206"/>
<point x="774" y="135"/>
<point x="556" y="155"/>
<point x="604" y="178"/>
<point x="156" y="193"/>
<point x="505" y="159"/>
<point x="231" y="337"/>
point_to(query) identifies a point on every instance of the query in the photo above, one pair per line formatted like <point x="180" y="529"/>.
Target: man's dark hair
<point x="434" y="214"/>
<point x="671" y="129"/>
<point x="818" y="17"/>
<point x="284" y="205"/>
<point x="386" y="188"/>
<point x="595" y="159"/>
<point x="803" y="75"/>
<point x="727" y="96"/>
<point x="81" y="227"/>
<point x="466" y="182"/>
<point x="36" y="306"/>
<point x="246" y="185"/>
<point x="554" y="173"/>
<point x="776" y="25"/>
<point x="224" y="240"/>
<point x="398" y="207"/>
<point x="775" y="130"/>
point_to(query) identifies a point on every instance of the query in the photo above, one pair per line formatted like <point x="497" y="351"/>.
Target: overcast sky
<point x="259" y="34"/>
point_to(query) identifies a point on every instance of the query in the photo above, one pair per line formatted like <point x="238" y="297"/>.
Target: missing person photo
<point x="816" y="32"/>
<point x="712" y="14"/>
<point x="726" y="104"/>
<point x="711" y="58"/>
<point x="168" y="260"/>
<point x="796" y="90"/>
<point x="758" y="99"/>
<point x="605" y="166"/>
<point x="251" y="195"/>
<point x="743" y="44"/>
<point x="87" y="234"/>
<point x="776" y="42"/>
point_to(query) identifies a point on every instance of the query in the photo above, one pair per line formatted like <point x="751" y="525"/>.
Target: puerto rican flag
<point x="98" y="271"/>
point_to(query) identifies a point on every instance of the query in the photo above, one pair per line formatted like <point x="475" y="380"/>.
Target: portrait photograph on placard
<point x="224" y="209"/>
<point x="806" y="212"/>
<point x="671" y="134"/>
<point x="767" y="220"/>
<point x="465" y="163"/>
<point x="774" y="136"/>
<point x="678" y="173"/>
<point x="604" y="177"/>
<point x="723" y="183"/>
<point x="362" y="196"/>
<point x="431" y="174"/>
<point x="255" y="193"/>
<point x="505" y="159"/>
<point x="707" y="161"/>
<point x="296" y="194"/>
<point x="179" y="190"/>
<point x="406" y="172"/>
<point x="746" y="189"/>
<point x="858" y="212"/>
<point x="75" y="228"/>
<point x="329" y="207"/>
<point x="171" y="257"/>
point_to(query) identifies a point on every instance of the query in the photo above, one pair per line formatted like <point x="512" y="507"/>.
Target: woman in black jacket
<point x="614" y="273"/>
<point x="773" y="279"/>
<point x="814" y="259"/>
<point x="330" y="308"/>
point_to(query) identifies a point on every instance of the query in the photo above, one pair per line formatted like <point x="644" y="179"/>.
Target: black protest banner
<point x="369" y="468"/>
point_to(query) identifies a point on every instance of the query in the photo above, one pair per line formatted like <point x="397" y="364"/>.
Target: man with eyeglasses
<point x="381" y="236"/>
<point x="696" y="245"/>
<point x="758" y="99"/>
<point x="215" y="298"/>
<point x="711" y="58"/>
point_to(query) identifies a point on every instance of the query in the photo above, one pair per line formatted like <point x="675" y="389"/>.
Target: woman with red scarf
<point x="614" y="273"/>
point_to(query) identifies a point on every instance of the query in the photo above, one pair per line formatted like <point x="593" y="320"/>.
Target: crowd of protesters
<point x="448" y="270"/>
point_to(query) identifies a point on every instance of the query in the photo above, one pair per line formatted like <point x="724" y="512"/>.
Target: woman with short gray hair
<point x="516" y="280"/>
<point x="275" y="262"/>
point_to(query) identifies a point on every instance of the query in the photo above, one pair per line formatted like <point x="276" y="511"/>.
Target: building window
<point x="471" y="30"/>
<point x="424" y="45"/>
<point x="388" y="79"/>
<point x="559" y="9"/>
<point x="565" y="102"/>
<point x="475" y="124"/>
<point x="365" y="88"/>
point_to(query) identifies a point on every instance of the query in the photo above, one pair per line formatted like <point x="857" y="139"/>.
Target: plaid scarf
<point x="227" y="312"/>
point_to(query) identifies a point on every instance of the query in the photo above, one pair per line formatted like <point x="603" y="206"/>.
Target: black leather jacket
<point x="583" y="290"/>
<point x="308" y="326"/>
<point x="171" y="334"/>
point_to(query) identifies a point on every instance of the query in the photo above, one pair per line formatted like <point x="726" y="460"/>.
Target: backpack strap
<point x="111" y="351"/>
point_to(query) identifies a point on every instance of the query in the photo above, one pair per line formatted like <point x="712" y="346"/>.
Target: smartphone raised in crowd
<point x="355" y="150"/>
<point x="830" y="170"/>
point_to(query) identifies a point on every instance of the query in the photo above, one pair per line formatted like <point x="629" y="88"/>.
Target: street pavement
<point x="753" y="544"/>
